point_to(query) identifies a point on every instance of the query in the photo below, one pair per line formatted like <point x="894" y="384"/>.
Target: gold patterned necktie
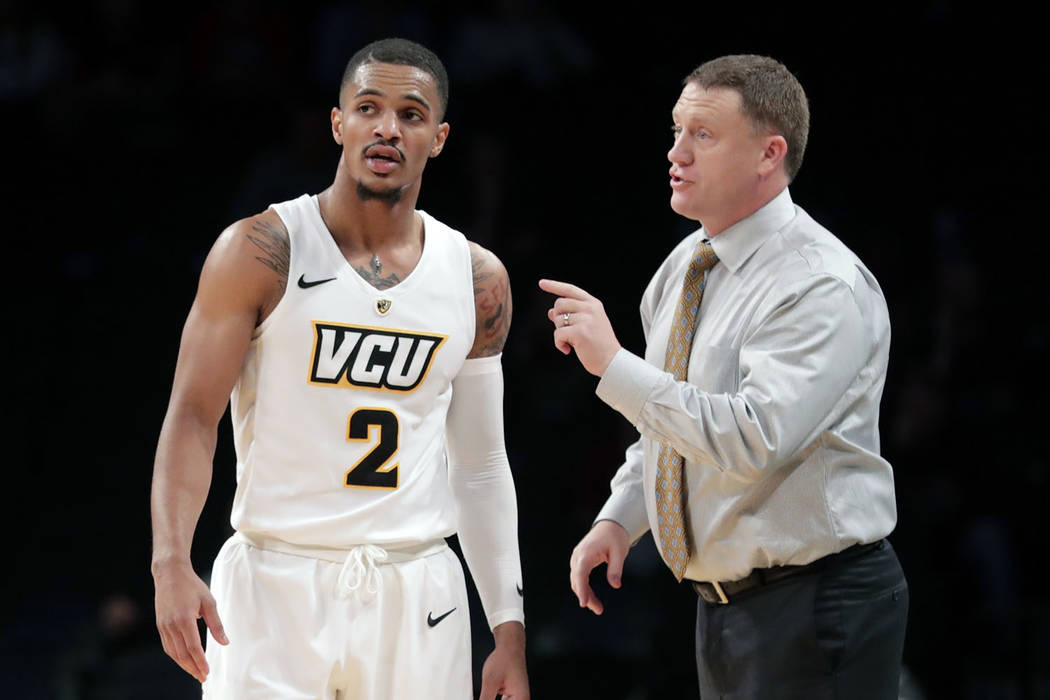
<point x="670" y="492"/>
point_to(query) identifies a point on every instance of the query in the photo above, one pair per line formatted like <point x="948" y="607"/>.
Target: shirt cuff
<point x="627" y="383"/>
<point x="626" y="514"/>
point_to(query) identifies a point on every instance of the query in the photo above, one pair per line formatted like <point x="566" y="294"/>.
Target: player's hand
<point x="607" y="543"/>
<point x="504" y="671"/>
<point x="181" y="599"/>
<point x="588" y="330"/>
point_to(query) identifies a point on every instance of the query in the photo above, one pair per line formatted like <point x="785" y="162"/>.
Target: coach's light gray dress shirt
<point x="778" y="421"/>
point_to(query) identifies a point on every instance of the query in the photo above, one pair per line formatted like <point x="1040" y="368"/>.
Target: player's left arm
<point x="482" y="484"/>
<point x="492" y="303"/>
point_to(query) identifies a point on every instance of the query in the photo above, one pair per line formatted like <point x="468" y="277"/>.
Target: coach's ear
<point x="773" y="155"/>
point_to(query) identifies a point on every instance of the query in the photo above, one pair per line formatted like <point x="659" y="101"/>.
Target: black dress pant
<point x="833" y="632"/>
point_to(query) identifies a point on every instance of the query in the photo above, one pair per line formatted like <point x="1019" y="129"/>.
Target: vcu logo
<point x="371" y="358"/>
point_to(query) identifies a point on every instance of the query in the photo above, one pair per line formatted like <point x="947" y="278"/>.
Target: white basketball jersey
<point x="339" y="411"/>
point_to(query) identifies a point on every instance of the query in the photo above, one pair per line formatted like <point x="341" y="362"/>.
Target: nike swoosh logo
<point x="520" y="591"/>
<point x="303" y="284"/>
<point x="432" y="621"/>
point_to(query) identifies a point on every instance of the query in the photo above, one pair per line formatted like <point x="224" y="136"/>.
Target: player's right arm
<point x="242" y="280"/>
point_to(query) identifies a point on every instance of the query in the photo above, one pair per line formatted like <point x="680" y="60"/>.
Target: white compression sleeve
<point x="483" y="488"/>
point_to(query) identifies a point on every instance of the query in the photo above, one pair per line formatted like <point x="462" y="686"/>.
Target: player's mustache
<point x="385" y="143"/>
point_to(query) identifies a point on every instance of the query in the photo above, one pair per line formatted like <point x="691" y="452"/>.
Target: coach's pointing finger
<point x="580" y="323"/>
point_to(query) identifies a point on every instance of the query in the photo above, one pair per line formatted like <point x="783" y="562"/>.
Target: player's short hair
<point x="403" y="53"/>
<point x="770" y="96"/>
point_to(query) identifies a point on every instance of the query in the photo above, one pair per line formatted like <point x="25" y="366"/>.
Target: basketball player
<point x="356" y="334"/>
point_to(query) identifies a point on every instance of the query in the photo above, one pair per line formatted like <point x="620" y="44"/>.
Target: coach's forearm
<point x="181" y="479"/>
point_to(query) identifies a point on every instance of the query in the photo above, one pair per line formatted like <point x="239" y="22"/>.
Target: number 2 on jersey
<point x="373" y="470"/>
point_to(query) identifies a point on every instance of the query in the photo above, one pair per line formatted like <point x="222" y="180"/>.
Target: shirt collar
<point x="738" y="242"/>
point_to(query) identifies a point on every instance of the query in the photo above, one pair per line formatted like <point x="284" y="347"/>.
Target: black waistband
<point x="724" y="591"/>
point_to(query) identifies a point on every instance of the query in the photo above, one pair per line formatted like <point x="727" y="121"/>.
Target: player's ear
<point x="337" y="125"/>
<point x="439" y="139"/>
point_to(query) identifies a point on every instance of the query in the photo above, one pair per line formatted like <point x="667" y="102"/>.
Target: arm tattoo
<point x="375" y="280"/>
<point x="492" y="304"/>
<point x="477" y="267"/>
<point x="272" y="240"/>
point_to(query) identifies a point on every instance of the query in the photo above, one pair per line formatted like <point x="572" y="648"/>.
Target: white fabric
<point x="778" y="418"/>
<point x="360" y="574"/>
<point x="328" y="352"/>
<point x="294" y="635"/>
<point x="483" y="487"/>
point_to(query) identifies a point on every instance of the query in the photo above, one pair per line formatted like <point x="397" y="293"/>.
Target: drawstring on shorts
<point x="360" y="576"/>
<point x="359" y="573"/>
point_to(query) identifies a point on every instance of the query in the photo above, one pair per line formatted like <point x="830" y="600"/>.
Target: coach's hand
<point x="504" y="671"/>
<point x="606" y="543"/>
<point x="580" y="324"/>
<point x="182" y="598"/>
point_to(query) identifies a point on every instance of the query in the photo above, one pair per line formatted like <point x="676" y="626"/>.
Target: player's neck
<point x="368" y="223"/>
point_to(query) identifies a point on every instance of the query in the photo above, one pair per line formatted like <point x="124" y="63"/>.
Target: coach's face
<point x="717" y="159"/>
<point x="389" y="125"/>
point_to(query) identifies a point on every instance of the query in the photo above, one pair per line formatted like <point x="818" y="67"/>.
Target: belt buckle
<point x="722" y="598"/>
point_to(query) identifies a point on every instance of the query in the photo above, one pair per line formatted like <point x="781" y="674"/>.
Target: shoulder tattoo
<point x="271" y="238"/>
<point x="492" y="302"/>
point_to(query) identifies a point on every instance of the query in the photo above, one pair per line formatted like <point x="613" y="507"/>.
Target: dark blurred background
<point x="134" y="132"/>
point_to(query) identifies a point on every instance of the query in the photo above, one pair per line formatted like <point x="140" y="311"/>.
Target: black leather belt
<point x="724" y="591"/>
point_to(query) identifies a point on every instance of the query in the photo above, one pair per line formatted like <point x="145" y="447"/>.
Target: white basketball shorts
<point x="325" y="625"/>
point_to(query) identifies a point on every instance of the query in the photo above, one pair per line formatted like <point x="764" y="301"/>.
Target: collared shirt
<point x="778" y="418"/>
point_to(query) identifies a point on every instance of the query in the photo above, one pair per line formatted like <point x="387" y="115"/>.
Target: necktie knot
<point x="704" y="257"/>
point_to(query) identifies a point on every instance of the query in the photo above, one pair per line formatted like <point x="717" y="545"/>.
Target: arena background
<point x="134" y="132"/>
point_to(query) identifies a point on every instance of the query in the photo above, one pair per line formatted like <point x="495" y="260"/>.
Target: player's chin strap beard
<point x="359" y="575"/>
<point x="391" y="196"/>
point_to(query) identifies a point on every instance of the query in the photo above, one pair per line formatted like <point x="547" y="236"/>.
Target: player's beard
<point x="390" y="196"/>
